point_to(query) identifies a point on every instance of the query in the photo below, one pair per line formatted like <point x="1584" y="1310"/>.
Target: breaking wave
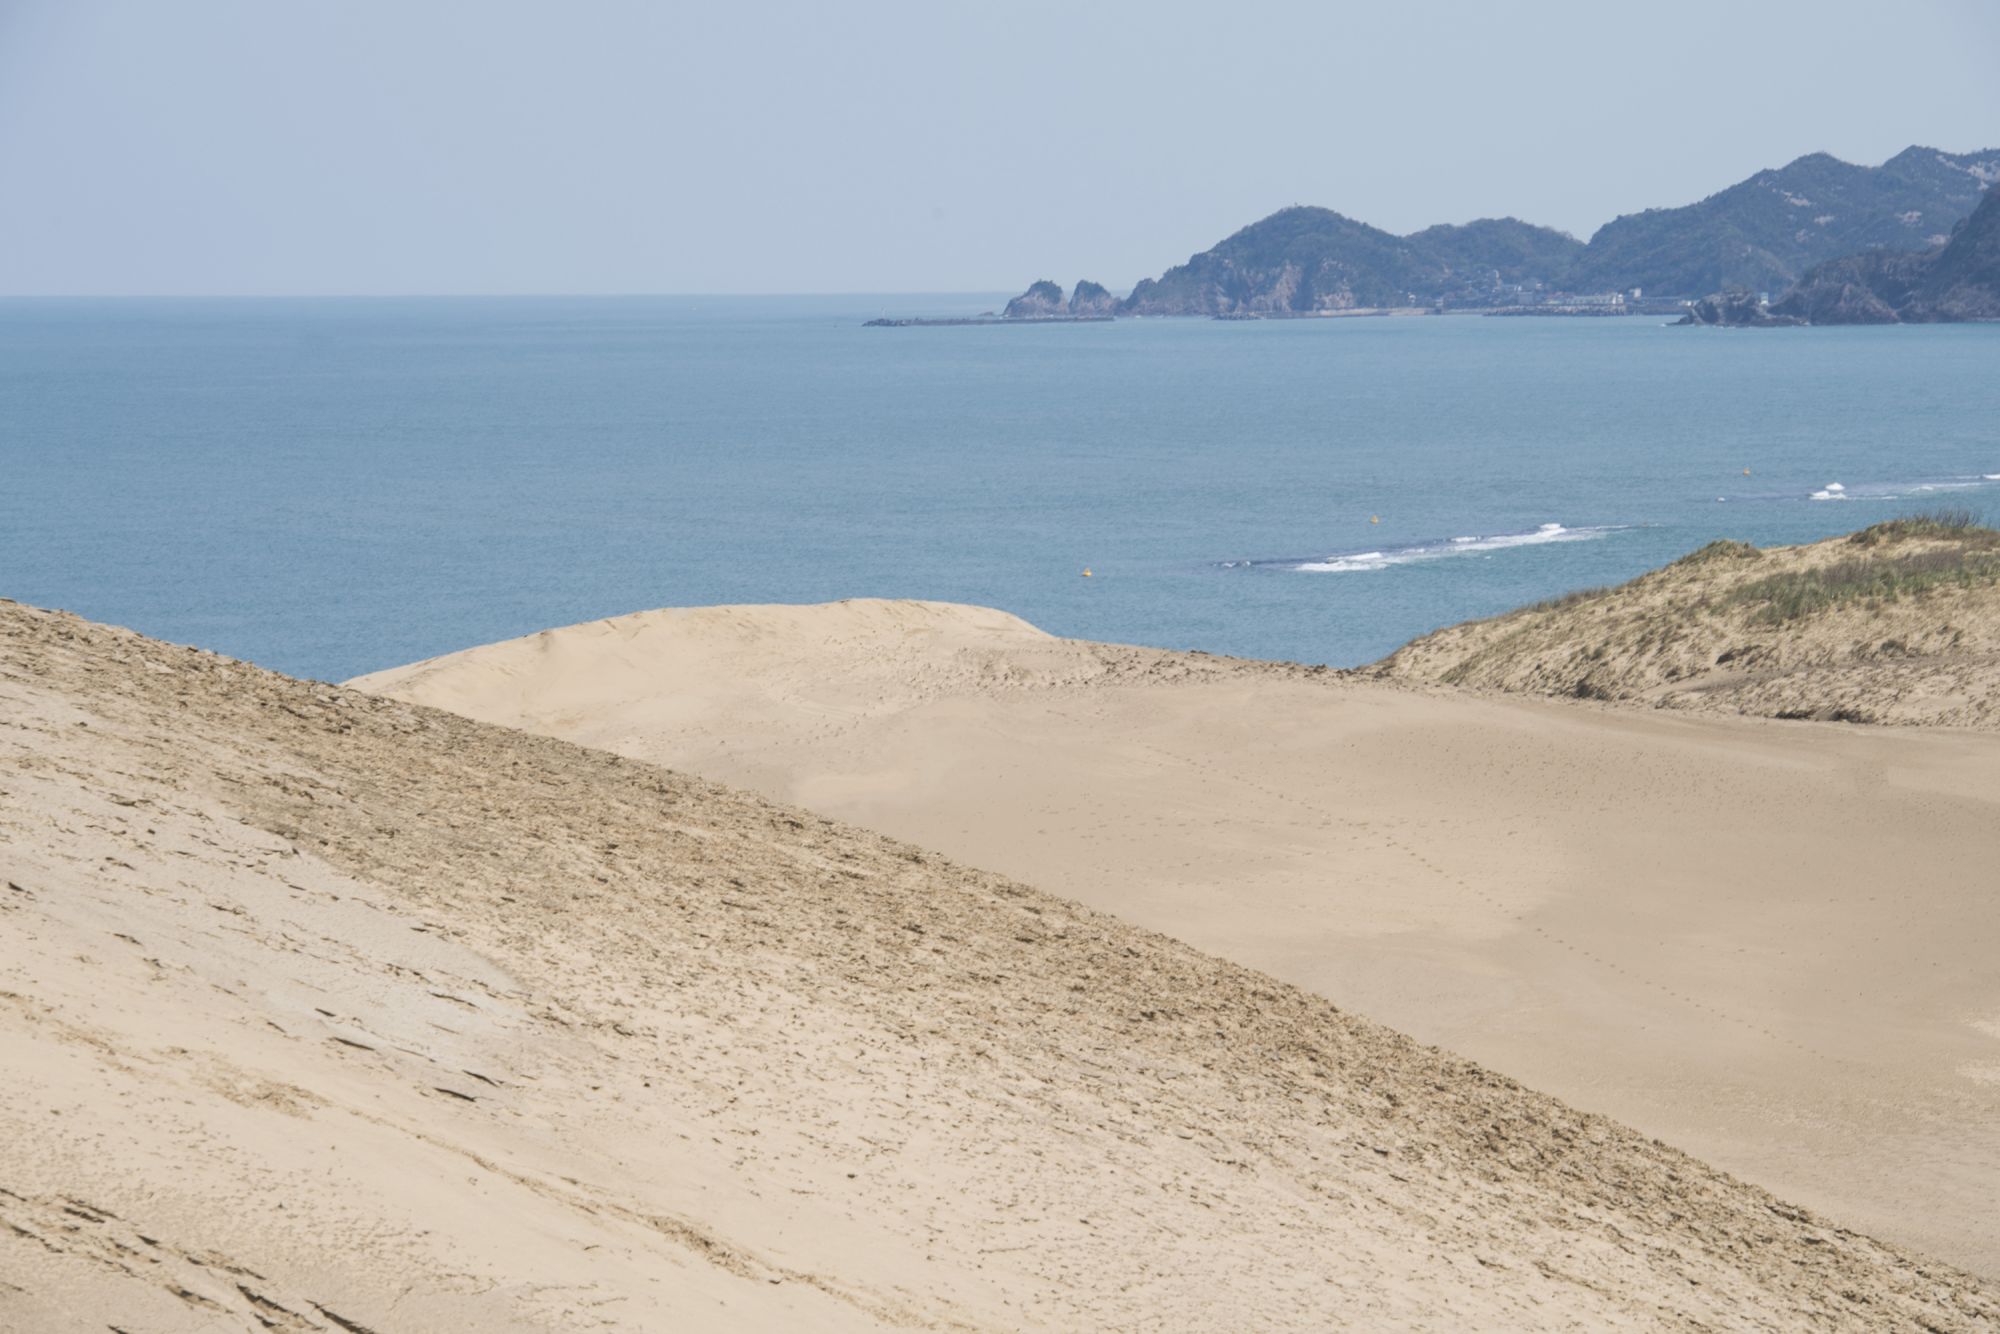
<point x="1354" y="562"/>
<point x="1901" y="490"/>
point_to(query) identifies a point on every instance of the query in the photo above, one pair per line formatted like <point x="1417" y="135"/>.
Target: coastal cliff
<point x="1043" y="300"/>
<point x="1958" y="281"/>
<point x="1091" y="299"/>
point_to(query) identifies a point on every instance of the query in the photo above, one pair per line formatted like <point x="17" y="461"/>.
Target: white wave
<point x="1368" y="560"/>
<point x="1902" y="490"/>
<point x="1360" y="561"/>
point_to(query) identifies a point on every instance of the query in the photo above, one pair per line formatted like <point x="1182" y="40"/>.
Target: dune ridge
<point x="1898" y="623"/>
<point x="327" y="1011"/>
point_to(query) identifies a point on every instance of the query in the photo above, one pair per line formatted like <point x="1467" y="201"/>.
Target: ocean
<point x="331" y="486"/>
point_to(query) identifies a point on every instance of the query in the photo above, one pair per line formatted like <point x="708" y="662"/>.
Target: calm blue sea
<point x="327" y="487"/>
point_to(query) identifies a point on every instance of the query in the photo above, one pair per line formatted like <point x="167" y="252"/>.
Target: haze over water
<point x="328" y="487"/>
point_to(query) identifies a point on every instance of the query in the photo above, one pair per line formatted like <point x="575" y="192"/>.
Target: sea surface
<point x="331" y="486"/>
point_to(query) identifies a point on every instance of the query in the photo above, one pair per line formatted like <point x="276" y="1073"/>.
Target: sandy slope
<point x="1770" y="943"/>
<point x="1899" y="623"/>
<point x="324" y="1012"/>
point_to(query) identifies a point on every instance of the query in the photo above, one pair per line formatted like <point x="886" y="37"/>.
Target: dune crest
<point x="691" y="668"/>
<point x="1898" y="623"/>
<point x="324" y="1011"/>
<point x="1713" y="928"/>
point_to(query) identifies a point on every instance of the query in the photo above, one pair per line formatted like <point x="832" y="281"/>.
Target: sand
<point x="1768" y="943"/>
<point x="326" y="1012"/>
<point x="1897" y="624"/>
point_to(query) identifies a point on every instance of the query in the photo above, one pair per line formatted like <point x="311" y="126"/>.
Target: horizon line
<point x="484" y="296"/>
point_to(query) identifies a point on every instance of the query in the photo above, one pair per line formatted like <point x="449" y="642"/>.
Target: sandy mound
<point x="721" y="671"/>
<point x="1766" y="942"/>
<point x="1899" y="623"/>
<point x="328" y="1012"/>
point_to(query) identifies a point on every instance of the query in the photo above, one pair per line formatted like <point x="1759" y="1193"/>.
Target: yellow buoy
<point x="1086" y="574"/>
<point x="1746" y="472"/>
<point x="1374" y="518"/>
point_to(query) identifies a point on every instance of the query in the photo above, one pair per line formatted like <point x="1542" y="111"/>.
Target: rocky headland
<point x="1759" y="235"/>
<point x="1955" y="282"/>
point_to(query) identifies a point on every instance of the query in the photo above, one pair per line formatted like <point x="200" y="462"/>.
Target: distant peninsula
<point x="1759" y="236"/>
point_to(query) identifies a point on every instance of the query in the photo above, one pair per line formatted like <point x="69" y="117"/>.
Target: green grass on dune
<point x="1959" y="552"/>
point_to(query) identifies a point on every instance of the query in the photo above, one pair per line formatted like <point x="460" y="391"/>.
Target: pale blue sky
<point x="381" y="146"/>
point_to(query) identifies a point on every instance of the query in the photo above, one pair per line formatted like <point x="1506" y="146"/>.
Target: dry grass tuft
<point x="1570" y="599"/>
<point x="1801" y="593"/>
<point x="1898" y="623"/>
<point x="1947" y="523"/>
<point x="1721" y="549"/>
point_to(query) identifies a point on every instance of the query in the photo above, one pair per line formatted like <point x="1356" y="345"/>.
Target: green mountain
<point x="1506" y="251"/>
<point x="1959" y="280"/>
<point x="1762" y="233"/>
<point x="1758" y="235"/>
<point x="1301" y="260"/>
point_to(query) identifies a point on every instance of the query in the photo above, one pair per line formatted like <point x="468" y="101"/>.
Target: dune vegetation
<point x="1897" y="623"/>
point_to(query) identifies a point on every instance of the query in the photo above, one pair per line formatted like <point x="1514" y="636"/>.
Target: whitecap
<point x="1367" y="560"/>
<point x="1360" y="561"/>
<point x="1881" y="491"/>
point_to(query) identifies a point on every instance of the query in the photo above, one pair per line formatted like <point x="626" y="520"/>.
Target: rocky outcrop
<point x="1860" y="289"/>
<point x="1042" y="300"/>
<point x="1736" y="310"/>
<point x="1092" y="301"/>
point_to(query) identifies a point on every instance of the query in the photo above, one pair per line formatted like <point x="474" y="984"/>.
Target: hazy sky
<point x="357" y="146"/>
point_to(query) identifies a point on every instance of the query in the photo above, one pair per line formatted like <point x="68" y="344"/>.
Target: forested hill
<point x="1307" y="259"/>
<point x="1959" y="280"/>
<point x="1761" y="234"/>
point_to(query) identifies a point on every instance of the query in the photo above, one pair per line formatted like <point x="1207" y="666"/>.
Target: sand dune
<point x="328" y="1012"/>
<point x="1769" y="943"/>
<point x="1898" y="623"/>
